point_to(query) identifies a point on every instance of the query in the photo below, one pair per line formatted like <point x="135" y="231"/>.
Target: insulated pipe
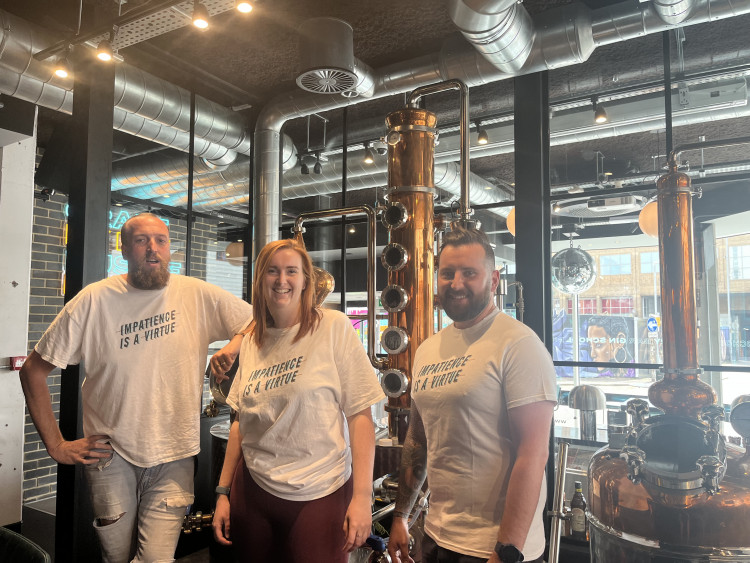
<point x="574" y="43"/>
<point x="136" y="92"/>
<point x="501" y="30"/>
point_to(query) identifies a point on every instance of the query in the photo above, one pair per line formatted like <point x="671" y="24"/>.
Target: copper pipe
<point x="370" y="212"/>
<point x="464" y="210"/>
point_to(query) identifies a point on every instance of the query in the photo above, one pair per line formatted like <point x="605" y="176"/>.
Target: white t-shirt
<point x="464" y="383"/>
<point x="144" y="355"/>
<point x="292" y="400"/>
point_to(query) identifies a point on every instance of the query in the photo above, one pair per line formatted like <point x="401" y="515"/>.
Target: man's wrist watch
<point x="508" y="553"/>
<point x="222" y="490"/>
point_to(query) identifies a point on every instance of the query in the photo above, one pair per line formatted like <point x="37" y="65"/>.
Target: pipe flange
<point x="394" y="298"/>
<point x="394" y="340"/>
<point x="395" y="215"/>
<point x="394" y="383"/>
<point x="394" y="257"/>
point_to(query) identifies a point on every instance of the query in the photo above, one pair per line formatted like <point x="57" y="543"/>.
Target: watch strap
<point x="222" y="490"/>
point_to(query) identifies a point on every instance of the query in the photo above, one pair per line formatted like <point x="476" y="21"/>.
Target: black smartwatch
<point x="508" y="553"/>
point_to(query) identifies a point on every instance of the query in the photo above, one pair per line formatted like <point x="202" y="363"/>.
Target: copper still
<point x="676" y="491"/>
<point x="409" y="256"/>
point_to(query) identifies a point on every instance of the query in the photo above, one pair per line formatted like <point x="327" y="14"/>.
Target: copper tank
<point x="676" y="491"/>
<point x="408" y="257"/>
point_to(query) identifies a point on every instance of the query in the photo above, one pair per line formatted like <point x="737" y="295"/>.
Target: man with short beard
<point x="143" y="340"/>
<point x="483" y="391"/>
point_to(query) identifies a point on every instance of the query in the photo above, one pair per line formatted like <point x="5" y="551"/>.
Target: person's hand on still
<point x="494" y="558"/>
<point x="221" y="520"/>
<point x="398" y="541"/>
<point x="358" y="522"/>
<point x="222" y="360"/>
<point x="83" y="450"/>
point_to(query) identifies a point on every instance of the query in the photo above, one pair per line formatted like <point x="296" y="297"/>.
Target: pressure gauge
<point x="393" y="138"/>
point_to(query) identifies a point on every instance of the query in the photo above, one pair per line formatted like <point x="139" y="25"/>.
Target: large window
<point x="739" y="262"/>
<point x="617" y="306"/>
<point x="649" y="262"/>
<point x="614" y="264"/>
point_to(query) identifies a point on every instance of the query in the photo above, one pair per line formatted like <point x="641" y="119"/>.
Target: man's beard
<point x="142" y="276"/>
<point x="458" y="313"/>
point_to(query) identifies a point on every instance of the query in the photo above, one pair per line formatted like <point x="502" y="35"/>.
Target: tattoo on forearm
<point x="413" y="466"/>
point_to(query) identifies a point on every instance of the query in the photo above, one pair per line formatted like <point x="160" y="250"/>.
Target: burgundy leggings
<point x="267" y="529"/>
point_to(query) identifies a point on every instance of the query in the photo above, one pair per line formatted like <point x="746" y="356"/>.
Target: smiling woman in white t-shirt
<point x="297" y="478"/>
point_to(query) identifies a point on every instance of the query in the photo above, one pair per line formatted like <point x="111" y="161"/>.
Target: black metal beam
<point x="88" y="223"/>
<point x="531" y="132"/>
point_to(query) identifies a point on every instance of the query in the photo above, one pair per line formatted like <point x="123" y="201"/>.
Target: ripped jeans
<point x="147" y="504"/>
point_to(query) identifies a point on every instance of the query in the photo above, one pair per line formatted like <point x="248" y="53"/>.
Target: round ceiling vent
<point x="327" y="80"/>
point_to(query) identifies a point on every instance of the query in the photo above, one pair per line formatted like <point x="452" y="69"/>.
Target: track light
<point x="62" y="69"/>
<point x="369" y="156"/>
<point x="243" y="6"/>
<point x="200" y="15"/>
<point x="317" y="168"/>
<point x="104" y="51"/>
<point x="482" y="137"/>
<point x="600" y="115"/>
<point x="304" y="169"/>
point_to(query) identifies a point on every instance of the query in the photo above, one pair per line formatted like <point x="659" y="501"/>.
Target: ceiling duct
<point x="327" y="53"/>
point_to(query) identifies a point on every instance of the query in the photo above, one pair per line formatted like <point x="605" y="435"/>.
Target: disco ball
<point x="573" y="270"/>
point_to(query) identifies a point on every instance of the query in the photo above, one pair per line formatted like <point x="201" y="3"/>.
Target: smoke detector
<point x="327" y="54"/>
<point x="601" y="206"/>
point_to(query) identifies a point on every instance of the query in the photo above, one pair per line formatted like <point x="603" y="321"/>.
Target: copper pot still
<point x="676" y="491"/>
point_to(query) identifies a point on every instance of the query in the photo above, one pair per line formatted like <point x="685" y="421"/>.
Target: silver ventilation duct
<point x="145" y="106"/>
<point x="567" y="36"/>
<point x="447" y="178"/>
<point x="702" y="101"/>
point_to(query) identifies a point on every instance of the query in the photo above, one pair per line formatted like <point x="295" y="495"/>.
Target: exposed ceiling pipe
<point x="674" y="11"/>
<point x="447" y="178"/>
<point x="702" y="101"/>
<point x="159" y="175"/>
<point x="502" y="30"/>
<point x="156" y="106"/>
<point x="565" y="36"/>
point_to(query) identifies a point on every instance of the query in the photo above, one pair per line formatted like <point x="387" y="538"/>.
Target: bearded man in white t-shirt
<point x="483" y="392"/>
<point x="142" y="338"/>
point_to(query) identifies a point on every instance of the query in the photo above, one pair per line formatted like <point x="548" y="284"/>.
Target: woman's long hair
<point x="262" y="319"/>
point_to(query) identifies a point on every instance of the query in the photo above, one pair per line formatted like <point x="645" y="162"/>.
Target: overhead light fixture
<point x="200" y="15"/>
<point x="104" y="51"/>
<point x="318" y="169"/>
<point x="62" y="69"/>
<point x="369" y="156"/>
<point x="304" y="169"/>
<point x="482" y="137"/>
<point x="510" y="221"/>
<point x="352" y="230"/>
<point x="556" y="208"/>
<point x="648" y="219"/>
<point x="600" y="115"/>
<point x="243" y="6"/>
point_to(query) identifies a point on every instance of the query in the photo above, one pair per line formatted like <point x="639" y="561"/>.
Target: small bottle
<point x="578" y="514"/>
